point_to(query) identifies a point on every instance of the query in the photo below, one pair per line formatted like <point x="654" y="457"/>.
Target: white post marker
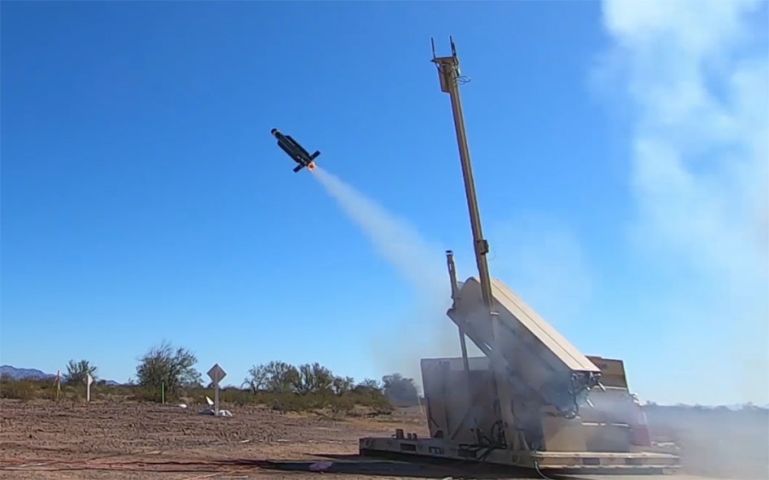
<point x="216" y="374"/>
<point x="88" y="382"/>
<point x="58" y="383"/>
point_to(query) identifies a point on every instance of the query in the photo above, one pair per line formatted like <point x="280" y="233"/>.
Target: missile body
<point x="294" y="150"/>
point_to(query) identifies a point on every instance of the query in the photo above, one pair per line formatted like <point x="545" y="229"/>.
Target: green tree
<point x="368" y="385"/>
<point x="281" y="377"/>
<point x="313" y="379"/>
<point x="77" y="372"/>
<point x="399" y="390"/>
<point x="257" y="379"/>
<point x="342" y="385"/>
<point x="164" y="365"/>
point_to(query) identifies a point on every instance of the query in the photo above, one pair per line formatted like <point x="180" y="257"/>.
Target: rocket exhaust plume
<point x="420" y="263"/>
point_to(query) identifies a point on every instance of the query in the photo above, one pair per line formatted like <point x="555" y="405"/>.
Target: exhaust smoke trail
<point x="419" y="262"/>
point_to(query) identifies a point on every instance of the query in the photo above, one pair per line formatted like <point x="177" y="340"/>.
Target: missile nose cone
<point x="273" y="131"/>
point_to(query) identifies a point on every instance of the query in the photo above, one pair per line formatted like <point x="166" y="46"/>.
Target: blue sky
<point x="143" y="198"/>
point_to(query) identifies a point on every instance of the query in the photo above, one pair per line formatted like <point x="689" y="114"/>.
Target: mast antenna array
<point x="449" y="75"/>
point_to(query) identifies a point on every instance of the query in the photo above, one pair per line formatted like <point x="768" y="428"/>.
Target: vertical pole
<point x="460" y="326"/>
<point x="448" y="68"/>
<point x="163" y="393"/>
<point x="448" y="72"/>
<point x="88" y="381"/>
<point x="216" y="399"/>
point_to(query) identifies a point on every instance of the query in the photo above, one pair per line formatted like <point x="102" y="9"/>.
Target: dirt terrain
<point x="43" y="439"/>
<point x="131" y="440"/>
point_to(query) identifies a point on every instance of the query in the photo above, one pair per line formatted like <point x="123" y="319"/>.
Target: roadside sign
<point x="216" y="374"/>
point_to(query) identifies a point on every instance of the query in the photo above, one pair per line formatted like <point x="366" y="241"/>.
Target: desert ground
<point x="42" y="439"/>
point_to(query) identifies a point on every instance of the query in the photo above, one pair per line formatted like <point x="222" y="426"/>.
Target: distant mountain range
<point x="34" y="374"/>
<point x="23" y="373"/>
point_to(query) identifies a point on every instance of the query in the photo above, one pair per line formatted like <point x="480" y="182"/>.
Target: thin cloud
<point x="697" y="78"/>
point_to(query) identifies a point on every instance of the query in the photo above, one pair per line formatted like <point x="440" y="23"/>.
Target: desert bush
<point x="27" y="389"/>
<point x="400" y="390"/>
<point x="368" y="385"/>
<point x="164" y="367"/>
<point x="282" y="377"/>
<point x="288" y="403"/>
<point x="276" y="385"/>
<point x="77" y="372"/>
<point x="311" y="387"/>
<point x="18" y="389"/>
<point x="144" y="394"/>
<point x="342" y="405"/>
<point x="237" y="396"/>
<point x="257" y="379"/>
<point x="313" y="378"/>
<point x="306" y="379"/>
<point x="273" y="377"/>
<point x="342" y="385"/>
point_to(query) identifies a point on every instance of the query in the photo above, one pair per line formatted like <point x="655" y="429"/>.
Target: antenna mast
<point x="450" y="77"/>
<point x="449" y="74"/>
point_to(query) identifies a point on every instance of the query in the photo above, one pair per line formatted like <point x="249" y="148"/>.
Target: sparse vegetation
<point x="281" y="377"/>
<point x="314" y="378"/>
<point x="20" y="389"/>
<point x="285" y="387"/>
<point x="163" y="368"/>
<point x="29" y="389"/>
<point x="342" y="385"/>
<point x="356" y="401"/>
<point x="257" y="378"/>
<point x="399" y="390"/>
<point x="277" y="385"/>
<point x="77" y="372"/>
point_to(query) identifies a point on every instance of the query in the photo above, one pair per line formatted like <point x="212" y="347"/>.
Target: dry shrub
<point x="18" y="389"/>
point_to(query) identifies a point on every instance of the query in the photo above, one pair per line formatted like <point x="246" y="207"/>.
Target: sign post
<point x="88" y="382"/>
<point x="216" y="374"/>
<point x="58" y="384"/>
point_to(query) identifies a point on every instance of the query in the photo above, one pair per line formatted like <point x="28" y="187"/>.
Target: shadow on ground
<point x="322" y="464"/>
<point x="394" y="467"/>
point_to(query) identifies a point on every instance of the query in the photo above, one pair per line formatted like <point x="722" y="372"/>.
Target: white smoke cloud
<point x="400" y="243"/>
<point x="425" y="330"/>
<point x="697" y="75"/>
<point x="697" y="78"/>
<point x="543" y="260"/>
<point x="541" y="256"/>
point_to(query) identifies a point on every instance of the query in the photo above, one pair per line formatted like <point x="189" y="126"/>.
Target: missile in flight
<point x="295" y="151"/>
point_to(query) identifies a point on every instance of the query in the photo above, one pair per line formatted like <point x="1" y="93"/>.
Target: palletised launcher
<point x="533" y="400"/>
